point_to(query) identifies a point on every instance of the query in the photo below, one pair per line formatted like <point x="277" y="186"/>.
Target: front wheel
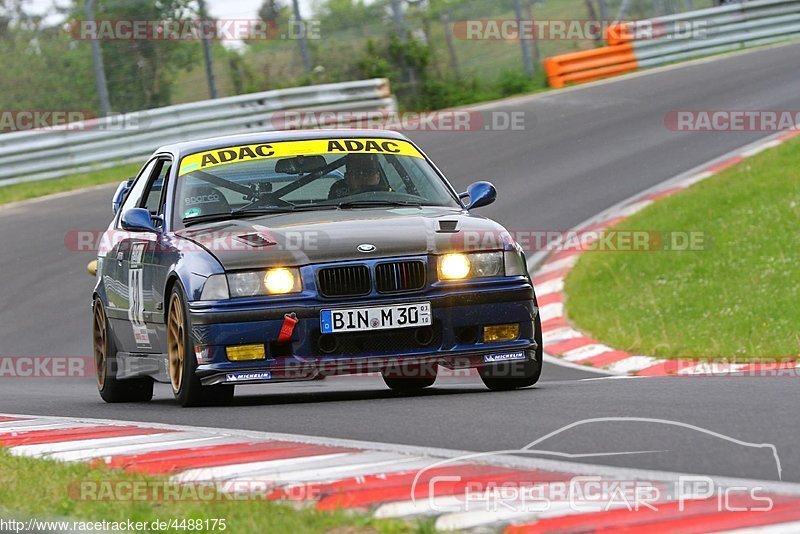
<point x="513" y="375"/>
<point x="516" y="374"/>
<point x="105" y="359"/>
<point x="410" y="378"/>
<point x="182" y="362"/>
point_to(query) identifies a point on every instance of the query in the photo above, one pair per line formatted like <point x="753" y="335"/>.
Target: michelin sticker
<point x="244" y="377"/>
<point x="505" y="357"/>
<point x="213" y="158"/>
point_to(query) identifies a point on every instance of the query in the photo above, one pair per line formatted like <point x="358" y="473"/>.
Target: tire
<point x="104" y="350"/>
<point x="410" y="378"/>
<point x="182" y="363"/>
<point x="514" y="375"/>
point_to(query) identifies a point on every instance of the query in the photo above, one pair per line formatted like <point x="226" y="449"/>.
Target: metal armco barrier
<point x="648" y="43"/>
<point x="43" y="154"/>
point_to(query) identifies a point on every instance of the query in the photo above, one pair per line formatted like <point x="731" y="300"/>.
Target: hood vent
<point x="447" y="227"/>
<point x="256" y="240"/>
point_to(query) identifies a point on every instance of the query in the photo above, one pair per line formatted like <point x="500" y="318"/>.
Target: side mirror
<point x="480" y="194"/>
<point x="137" y="220"/>
<point x="119" y="194"/>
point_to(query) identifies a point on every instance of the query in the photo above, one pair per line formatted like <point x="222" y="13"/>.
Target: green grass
<point x="24" y="191"/>
<point x="738" y="298"/>
<point x="42" y="489"/>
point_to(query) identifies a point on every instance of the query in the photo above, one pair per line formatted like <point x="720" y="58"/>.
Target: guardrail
<point x="648" y="43"/>
<point x="43" y="154"/>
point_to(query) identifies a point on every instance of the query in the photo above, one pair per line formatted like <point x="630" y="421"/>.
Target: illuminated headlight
<point x="278" y="281"/>
<point x="477" y="265"/>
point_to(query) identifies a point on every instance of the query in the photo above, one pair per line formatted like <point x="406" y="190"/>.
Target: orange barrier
<point x="588" y="65"/>
<point x="619" y="33"/>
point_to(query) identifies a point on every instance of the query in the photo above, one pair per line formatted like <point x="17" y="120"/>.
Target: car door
<point x="129" y="254"/>
<point x="153" y="264"/>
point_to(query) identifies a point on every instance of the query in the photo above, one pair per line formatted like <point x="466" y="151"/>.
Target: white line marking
<point x="551" y="311"/>
<point x="559" y="334"/>
<point x="563" y="263"/>
<point x="553" y="360"/>
<point x="360" y="464"/>
<point x="40" y="425"/>
<point x="749" y="153"/>
<point x="107" y="453"/>
<point x="634" y="363"/>
<point x="505" y="460"/>
<point x="43" y="449"/>
<point x="555" y="285"/>
<point x="587" y="351"/>
<point x="208" y="474"/>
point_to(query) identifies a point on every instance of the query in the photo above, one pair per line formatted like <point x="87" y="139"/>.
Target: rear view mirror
<point x="300" y="164"/>
<point x="137" y="220"/>
<point x="479" y="194"/>
<point x="120" y="193"/>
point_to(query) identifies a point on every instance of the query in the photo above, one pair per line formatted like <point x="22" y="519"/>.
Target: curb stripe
<point x="332" y="474"/>
<point x="224" y="472"/>
<point x="71" y="434"/>
<point x="224" y="455"/>
<point x="562" y="340"/>
<point x="618" y="519"/>
<point x="399" y="487"/>
<point x="67" y="446"/>
<point x="107" y="452"/>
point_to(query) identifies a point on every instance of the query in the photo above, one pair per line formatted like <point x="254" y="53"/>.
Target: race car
<point x="291" y="256"/>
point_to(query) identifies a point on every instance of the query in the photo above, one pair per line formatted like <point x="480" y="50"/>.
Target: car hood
<point x="303" y="238"/>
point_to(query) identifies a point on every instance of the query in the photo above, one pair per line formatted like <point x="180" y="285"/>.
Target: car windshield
<point x="307" y="175"/>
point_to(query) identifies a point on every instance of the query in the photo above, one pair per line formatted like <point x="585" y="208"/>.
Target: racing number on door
<point x="136" y="296"/>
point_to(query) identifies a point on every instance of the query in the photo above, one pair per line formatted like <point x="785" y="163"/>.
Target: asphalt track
<point x="581" y="152"/>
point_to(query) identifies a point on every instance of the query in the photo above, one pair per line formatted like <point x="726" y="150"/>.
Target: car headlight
<point x="215" y="288"/>
<point x="459" y="266"/>
<point x="278" y="281"/>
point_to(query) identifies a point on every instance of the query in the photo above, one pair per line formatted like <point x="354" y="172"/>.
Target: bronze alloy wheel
<point x="176" y="345"/>
<point x="100" y="345"/>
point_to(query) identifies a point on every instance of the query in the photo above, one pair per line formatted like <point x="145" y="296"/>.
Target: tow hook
<point x="287" y="329"/>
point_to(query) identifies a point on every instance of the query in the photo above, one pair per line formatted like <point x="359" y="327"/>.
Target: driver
<point x="362" y="175"/>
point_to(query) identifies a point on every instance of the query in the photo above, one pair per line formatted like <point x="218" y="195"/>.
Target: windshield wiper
<point x="378" y="203"/>
<point x="244" y="213"/>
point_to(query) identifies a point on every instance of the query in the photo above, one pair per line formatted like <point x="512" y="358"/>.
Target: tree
<point x="141" y="73"/>
<point x="337" y="15"/>
<point x="272" y="10"/>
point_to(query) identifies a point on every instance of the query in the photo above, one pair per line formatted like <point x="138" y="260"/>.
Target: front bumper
<point x="455" y="341"/>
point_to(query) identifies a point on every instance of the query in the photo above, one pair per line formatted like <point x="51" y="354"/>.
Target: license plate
<point x="375" y="318"/>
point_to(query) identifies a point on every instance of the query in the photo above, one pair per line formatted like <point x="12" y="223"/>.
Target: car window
<point x="285" y="176"/>
<point x="137" y="191"/>
<point x="154" y="193"/>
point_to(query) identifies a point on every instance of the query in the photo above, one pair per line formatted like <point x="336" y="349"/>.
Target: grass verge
<point x="737" y="297"/>
<point x="25" y="191"/>
<point x="47" y="489"/>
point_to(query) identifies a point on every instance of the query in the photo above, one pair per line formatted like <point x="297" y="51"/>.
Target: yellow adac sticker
<point x="284" y="149"/>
